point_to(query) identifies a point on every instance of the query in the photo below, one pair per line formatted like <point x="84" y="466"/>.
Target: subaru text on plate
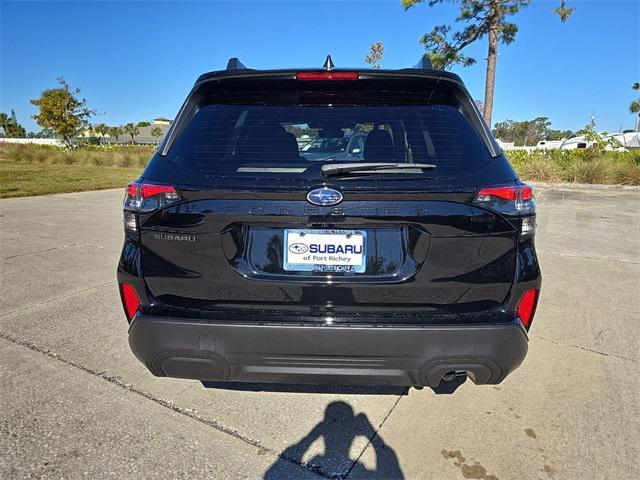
<point x="245" y="261"/>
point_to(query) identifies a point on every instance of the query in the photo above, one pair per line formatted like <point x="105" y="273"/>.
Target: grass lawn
<point x="26" y="179"/>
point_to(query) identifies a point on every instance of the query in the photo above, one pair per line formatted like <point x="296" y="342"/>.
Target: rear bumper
<point x="326" y="355"/>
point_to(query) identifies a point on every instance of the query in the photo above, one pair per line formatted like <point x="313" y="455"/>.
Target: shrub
<point x="591" y="170"/>
<point x="628" y="173"/>
<point x="579" y="166"/>
<point x="86" y="154"/>
<point x="540" y="170"/>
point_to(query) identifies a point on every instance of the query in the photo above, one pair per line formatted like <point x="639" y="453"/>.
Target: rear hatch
<point x="256" y="230"/>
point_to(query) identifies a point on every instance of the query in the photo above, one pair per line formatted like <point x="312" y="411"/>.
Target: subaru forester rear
<point x="407" y="259"/>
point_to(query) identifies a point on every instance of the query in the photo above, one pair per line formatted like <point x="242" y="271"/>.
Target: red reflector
<point x="527" y="306"/>
<point x="152" y="190"/>
<point x="132" y="190"/>
<point x="327" y="76"/>
<point x="506" y="193"/>
<point x="130" y="300"/>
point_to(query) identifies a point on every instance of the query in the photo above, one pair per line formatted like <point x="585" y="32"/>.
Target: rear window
<point x="237" y="139"/>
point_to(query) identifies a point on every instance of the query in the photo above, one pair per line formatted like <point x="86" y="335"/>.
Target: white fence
<point x="36" y="141"/>
<point x="511" y="146"/>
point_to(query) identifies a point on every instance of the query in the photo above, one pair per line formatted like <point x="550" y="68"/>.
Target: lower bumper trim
<point x="326" y="355"/>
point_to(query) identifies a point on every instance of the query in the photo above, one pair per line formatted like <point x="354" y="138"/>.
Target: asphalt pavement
<point x="75" y="403"/>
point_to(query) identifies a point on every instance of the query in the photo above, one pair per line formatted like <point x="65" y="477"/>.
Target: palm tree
<point x="132" y="130"/>
<point x="115" y="132"/>
<point x="4" y="121"/>
<point x="156" y="133"/>
<point x="635" y="106"/>
<point x="101" y="129"/>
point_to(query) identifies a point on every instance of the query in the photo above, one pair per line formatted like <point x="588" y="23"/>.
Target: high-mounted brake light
<point x="130" y="300"/>
<point x="324" y="76"/>
<point x="527" y="306"/>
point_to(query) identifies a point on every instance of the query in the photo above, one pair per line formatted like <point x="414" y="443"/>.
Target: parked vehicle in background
<point x="629" y="140"/>
<point x="574" y="143"/>
<point x="245" y="260"/>
<point x="612" y="142"/>
<point x="342" y="147"/>
<point x="549" y="144"/>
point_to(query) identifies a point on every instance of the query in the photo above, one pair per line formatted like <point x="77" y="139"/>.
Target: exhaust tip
<point x="453" y="374"/>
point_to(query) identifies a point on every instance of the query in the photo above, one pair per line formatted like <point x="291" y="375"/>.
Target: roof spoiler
<point x="424" y="63"/>
<point x="235" y="64"/>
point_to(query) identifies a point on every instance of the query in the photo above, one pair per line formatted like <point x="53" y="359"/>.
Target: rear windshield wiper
<point x="338" y="168"/>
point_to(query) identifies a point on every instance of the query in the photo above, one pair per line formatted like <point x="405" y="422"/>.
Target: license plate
<point x="324" y="250"/>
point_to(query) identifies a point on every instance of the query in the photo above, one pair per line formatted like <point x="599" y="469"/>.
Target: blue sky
<point x="137" y="60"/>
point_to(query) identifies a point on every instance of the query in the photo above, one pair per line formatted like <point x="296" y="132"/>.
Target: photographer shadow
<point x="339" y="429"/>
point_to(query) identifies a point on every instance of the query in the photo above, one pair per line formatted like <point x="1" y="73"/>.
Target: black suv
<point x="245" y="261"/>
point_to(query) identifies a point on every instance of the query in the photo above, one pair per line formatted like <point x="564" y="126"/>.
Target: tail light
<point x="130" y="300"/>
<point x="511" y="200"/>
<point x="327" y="76"/>
<point x="527" y="306"/>
<point x="144" y="198"/>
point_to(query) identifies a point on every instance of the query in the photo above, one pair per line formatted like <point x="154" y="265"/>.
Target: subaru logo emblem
<point x="298" y="248"/>
<point x="324" y="196"/>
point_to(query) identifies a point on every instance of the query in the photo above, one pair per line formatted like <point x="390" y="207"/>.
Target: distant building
<point x="143" y="136"/>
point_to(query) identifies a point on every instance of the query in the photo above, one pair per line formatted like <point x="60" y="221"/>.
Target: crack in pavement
<point x="586" y="349"/>
<point x="61" y="297"/>
<point x="375" y="434"/>
<point x="68" y="245"/>
<point x="30" y="253"/>
<point x="169" y="404"/>
<point x="189" y="412"/>
<point x="42" y="237"/>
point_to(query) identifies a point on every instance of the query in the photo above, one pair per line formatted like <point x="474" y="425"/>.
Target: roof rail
<point x="424" y="63"/>
<point x="235" y="64"/>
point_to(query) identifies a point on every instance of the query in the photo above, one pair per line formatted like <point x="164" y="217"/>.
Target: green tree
<point x="480" y="18"/>
<point x="558" y="134"/>
<point x="634" y="107"/>
<point x="374" y="57"/>
<point x="4" y="122"/>
<point x="133" y="130"/>
<point x="62" y="111"/>
<point x="46" y="133"/>
<point x="11" y="127"/>
<point x="144" y="124"/>
<point x="156" y="133"/>
<point x="528" y="132"/>
<point x="102" y="130"/>
<point x="115" y="132"/>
